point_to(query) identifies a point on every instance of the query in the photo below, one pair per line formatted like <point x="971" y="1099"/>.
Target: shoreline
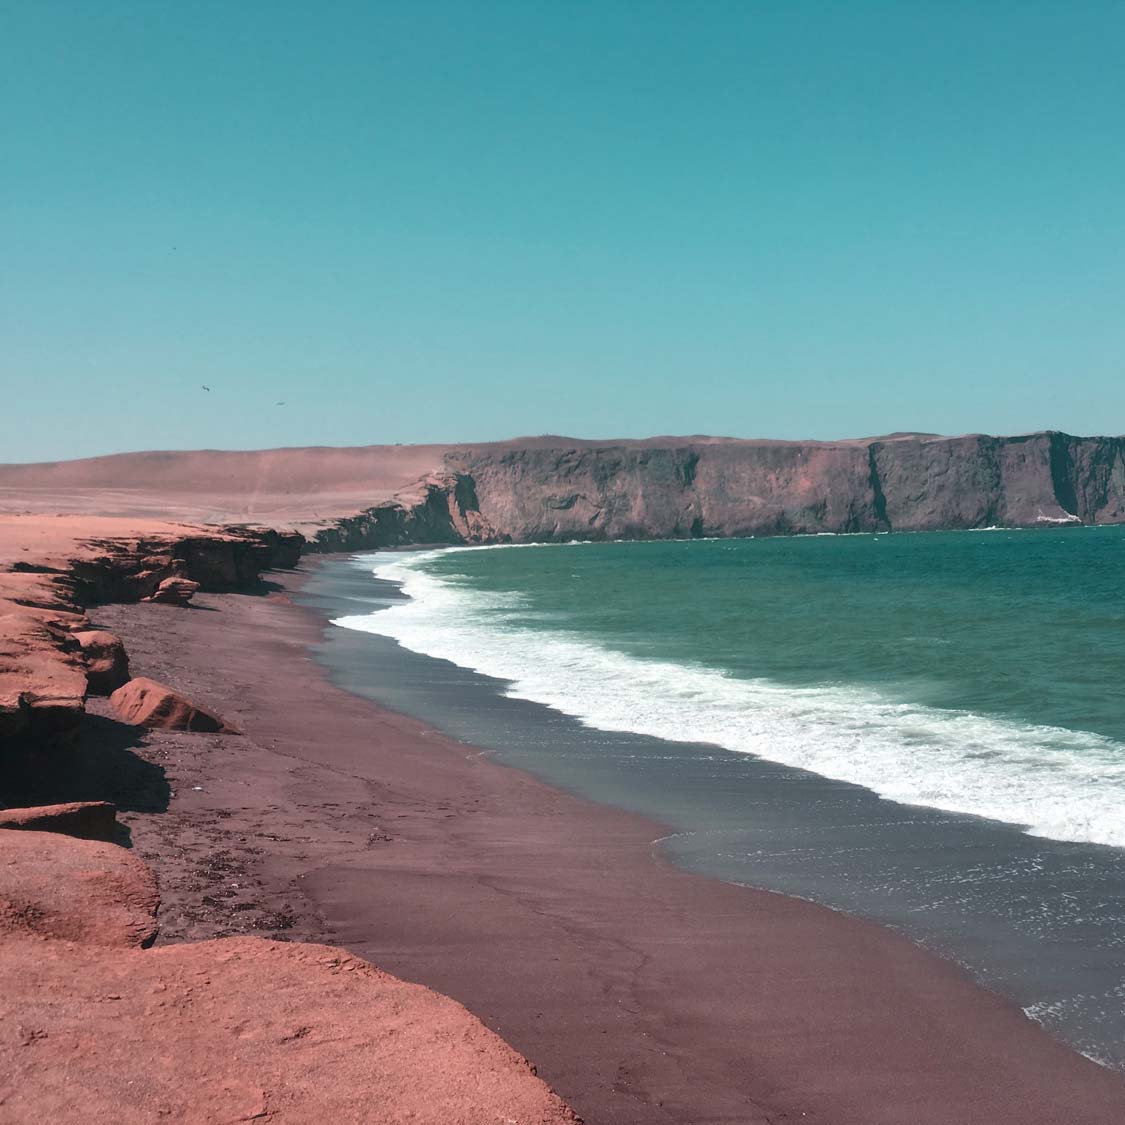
<point x="1038" y="920"/>
<point x="238" y="1028"/>
<point x="642" y="992"/>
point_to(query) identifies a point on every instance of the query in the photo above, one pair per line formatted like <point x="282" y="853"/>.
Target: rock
<point x="146" y="703"/>
<point x="107" y="665"/>
<point x="557" y="488"/>
<point x="282" y="549"/>
<point x="245" y="1029"/>
<point x="223" y="564"/>
<point x="154" y="563"/>
<point x="42" y="681"/>
<point x="87" y="891"/>
<point x="87" y="820"/>
<point x="173" y="591"/>
<point x="134" y="568"/>
<point x="552" y="488"/>
<point x="60" y="564"/>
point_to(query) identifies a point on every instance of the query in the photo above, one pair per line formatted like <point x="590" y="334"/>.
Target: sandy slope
<point x="279" y="487"/>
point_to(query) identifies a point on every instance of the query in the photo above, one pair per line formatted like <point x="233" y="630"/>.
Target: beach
<point x="641" y="992"/>
<point x="562" y="563"/>
<point x="691" y="682"/>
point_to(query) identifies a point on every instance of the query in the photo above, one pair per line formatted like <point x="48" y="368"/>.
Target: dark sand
<point x="643" y="993"/>
<point x="1040" y="921"/>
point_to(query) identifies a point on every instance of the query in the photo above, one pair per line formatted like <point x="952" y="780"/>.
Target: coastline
<point x="1036" y="919"/>
<point x="231" y="1029"/>
<point x="642" y="992"/>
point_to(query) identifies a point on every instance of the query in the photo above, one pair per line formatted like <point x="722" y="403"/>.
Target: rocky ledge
<point x="49" y="655"/>
<point x="98" y="1028"/>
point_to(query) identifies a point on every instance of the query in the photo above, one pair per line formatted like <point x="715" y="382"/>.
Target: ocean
<point x="926" y="729"/>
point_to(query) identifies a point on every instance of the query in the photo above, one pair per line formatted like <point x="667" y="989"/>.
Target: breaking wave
<point x="1052" y="782"/>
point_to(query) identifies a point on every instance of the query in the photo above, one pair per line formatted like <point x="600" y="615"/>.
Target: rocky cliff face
<point x="981" y="481"/>
<point x="557" y="489"/>
<point x="549" y="487"/>
<point x="448" y="511"/>
<point x="43" y="670"/>
<point x="682" y="491"/>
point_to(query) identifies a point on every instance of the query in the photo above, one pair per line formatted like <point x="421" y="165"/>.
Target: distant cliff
<point x="555" y="489"/>
<point x="550" y="488"/>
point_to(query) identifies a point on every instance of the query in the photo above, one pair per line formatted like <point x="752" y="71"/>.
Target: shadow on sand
<point x="100" y="767"/>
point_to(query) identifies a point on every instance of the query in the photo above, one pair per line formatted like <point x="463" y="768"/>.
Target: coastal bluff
<point x="159" y="525"/>
<point x="256" y="1022"/>
<point x="691" y="488"/>
<point x="552" y="488"/>
<point x="102" y="1028"/>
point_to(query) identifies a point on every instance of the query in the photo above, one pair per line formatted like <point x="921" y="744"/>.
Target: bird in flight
<point x="279" y="404"/>
<point x="204" y="386"/>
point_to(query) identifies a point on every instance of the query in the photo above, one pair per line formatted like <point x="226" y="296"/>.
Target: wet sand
<point x="642" y="992"/>
<point x="1040" y="921"/>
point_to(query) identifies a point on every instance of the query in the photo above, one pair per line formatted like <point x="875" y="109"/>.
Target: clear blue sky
<point x="423" y="221"/>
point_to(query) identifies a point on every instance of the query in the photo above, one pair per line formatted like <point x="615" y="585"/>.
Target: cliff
<point x="550" y="488"/>
<point x="231" y="1029"/>
<point x="556" y="489"/>
<point x="692" y="489"/>
<point x="51" y="570"/>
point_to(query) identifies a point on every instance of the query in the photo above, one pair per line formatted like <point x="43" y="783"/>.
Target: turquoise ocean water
<point x="979" y="673"/>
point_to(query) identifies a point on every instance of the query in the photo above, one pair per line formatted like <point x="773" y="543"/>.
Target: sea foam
<point x="1052" y="782"/>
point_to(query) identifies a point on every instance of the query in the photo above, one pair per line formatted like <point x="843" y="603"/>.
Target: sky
<point x="422" y="221"/>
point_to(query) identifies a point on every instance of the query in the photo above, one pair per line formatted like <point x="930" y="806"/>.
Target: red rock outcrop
<point x="107" y="664"/>
<point x="219" y="560"/>
<point x="173" y="591"/>
<point x="52" y="568"/>
<point x="146" y="703"/>
<point x="86" y="820"/>
<point x="55" y="886"/>
<point x="42" y="679"/>
<point x="243" y="1029"/>
<point x="95" y="1028"/>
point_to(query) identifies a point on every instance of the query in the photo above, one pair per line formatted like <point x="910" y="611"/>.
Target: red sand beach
<point x="96" y="1027"/>
<point x="642" y="993"/>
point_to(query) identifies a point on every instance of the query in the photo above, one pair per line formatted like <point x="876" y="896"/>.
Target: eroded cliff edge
<point x="45" y="590"/>
<point x="555" y="489"/>
<point x="239" y="1028"/>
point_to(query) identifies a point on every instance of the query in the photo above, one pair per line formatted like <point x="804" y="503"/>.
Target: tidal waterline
<point x="1041" y="920"/>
